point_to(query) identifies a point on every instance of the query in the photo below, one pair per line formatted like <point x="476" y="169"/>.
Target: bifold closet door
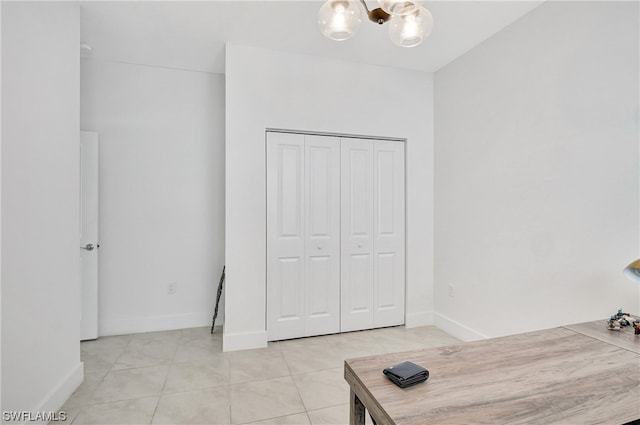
<point x="322" y="250"/>
<point x="357" y="234"/>
<point x="285" y="235"/>
<point x="372" y="258"/>
<point x="389" y="234"/>
<point x="303" y="235"/>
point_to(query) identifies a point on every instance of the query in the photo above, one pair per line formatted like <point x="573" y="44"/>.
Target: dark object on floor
<point x="406" y="374"/>
<point x="215" y="313"/>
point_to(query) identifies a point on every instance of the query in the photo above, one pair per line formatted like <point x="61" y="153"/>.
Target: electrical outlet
<point x="171" y="288"/>
<point x="451" y="290"/>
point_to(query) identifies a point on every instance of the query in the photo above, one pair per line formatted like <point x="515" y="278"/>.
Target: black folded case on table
<point x="406" y="374"/>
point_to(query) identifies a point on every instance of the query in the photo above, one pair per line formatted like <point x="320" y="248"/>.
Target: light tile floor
<point x="183" y="377"/>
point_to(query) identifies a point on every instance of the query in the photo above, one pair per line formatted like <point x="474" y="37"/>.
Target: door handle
<point x="359" y="244"/>
<point x="88" y="247"/>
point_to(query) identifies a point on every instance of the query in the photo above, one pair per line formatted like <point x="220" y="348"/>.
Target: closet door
<point x="357" y="257"/>
<point x="303" y="235"/>
<point x="389" y="231"/>
<point x="322" y="248"/>
<point x="285" y="236"/>
<point x="335" y="234"/>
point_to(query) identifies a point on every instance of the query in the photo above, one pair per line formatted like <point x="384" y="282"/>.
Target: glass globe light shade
<point x="410" y="30"/>
<point x="339" y="19"/>
<point x="400" y="7"/>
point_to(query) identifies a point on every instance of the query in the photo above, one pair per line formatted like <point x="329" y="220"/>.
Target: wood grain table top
<point x="553" y="376"/>
<point x="624" y="338"/>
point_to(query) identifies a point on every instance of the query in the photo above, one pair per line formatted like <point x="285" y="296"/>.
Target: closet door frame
<point x="389" y="317"/>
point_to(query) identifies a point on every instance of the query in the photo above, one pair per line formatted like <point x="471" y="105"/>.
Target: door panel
<point x="288" y="285"/>
<point x="319" y="297"/>
<point x="357" y="295"/>
<point x="89" y="234"/>
<point x="322" y="251"/>
<point x="319" y="162"/>
<point x="360" y="284"/>
<point x="289" y="199"/>
<point x="385" y="201"/>
<point x="386" y="267"/>
<point x="360" y="190"/>
<point x="389" y="230"/>
<point x="285" y="236"/>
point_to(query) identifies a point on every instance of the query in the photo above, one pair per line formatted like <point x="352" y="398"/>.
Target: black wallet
<point x="406" y="374"/>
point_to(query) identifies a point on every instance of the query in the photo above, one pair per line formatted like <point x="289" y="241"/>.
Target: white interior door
<point x="285" y="236"/>
<point x="322" y="250"/>
<point x="389" y="231"/>
<point x="89" y="234"/>
<point x="357" y="191"/>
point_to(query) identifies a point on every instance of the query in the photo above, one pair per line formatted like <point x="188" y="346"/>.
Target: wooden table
<point x="579" y="374"/>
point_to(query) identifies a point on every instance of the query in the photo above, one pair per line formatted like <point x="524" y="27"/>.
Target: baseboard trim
<point x="419" y="318"/>
<point x="58" y="396"/>
<point x="457" y="329"/>
<point x="243" y="340"/>
<point x="155" y="323"/>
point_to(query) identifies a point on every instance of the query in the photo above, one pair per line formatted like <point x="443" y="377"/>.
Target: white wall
<point x="0" y="211"/>
<point x="161" y="193"/>
<point x="268" y="89"/>
<point x="40" y="193"/>
<point x="536" y="177"/>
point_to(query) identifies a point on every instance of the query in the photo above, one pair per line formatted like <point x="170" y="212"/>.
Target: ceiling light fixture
<point x="409" y="25"/>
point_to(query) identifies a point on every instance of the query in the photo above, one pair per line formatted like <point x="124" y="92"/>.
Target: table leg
<point x="357" y="410"/>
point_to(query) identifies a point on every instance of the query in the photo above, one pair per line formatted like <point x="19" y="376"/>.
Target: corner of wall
<point x="243" y="340"/>
<point x="154" y="323"/>
<point x="418" y="318"/>
<point x="56" y="398"/>
<point x="457" y="329"/>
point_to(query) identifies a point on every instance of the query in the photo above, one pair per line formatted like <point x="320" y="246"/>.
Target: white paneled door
<point x="322" y="249"/>
<point x="372" y="260"/>
<point x="285" y="236"/>
<point x="388" y="233"/>
<point x="357" y="258"/>
<point x="303" y="235"/>
<point x="89" y="234"/>
<point x="335" y="234"/>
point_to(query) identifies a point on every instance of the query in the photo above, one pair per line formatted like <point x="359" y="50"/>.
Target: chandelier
<point x="409" y="22"/>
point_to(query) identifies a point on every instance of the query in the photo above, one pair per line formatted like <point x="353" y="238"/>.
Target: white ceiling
<point x="192" y="35"/>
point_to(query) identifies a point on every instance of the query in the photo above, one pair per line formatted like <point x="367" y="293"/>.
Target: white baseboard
<point x="457" y="329"/>
<point x="58" y="396"/>
<point x="155" y="323"/>
<point x="420" y="318"/>
<point x="243" y="340"/>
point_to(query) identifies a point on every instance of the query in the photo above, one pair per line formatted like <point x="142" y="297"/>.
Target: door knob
<point x="359" y="244"/>
<point x="319" y="246"/>
<point x="88" y="247"/>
